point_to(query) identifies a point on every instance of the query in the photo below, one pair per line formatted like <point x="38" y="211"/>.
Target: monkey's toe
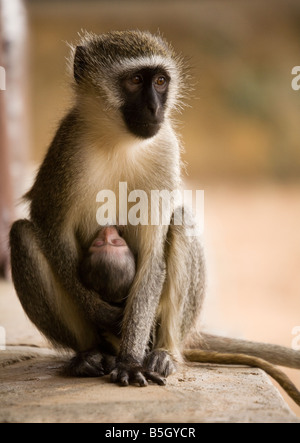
<point x="89" y="364"/>
<point x="126" y="374"/>
<point x="161" y="362"/>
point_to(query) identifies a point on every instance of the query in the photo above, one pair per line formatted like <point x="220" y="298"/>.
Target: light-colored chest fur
<point x="146" y="166"/>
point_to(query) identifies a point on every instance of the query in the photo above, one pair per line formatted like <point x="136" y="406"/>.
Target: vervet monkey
<point x="127" y="85"/>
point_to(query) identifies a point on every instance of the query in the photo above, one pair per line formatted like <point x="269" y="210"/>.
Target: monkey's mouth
<point x="148" y="125"/>
<point x="142" y="123"/>
<point x="144" y="129"/>
<point x="148" y="130"/>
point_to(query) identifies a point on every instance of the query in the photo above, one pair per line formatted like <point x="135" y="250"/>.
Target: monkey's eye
<point x="133" y="83"/>
<point x="161" y="81"/>
<point x="118" y="241"/>
<point x="137" y="79"/>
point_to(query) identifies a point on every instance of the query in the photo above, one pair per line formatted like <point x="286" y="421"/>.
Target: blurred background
<point x="241" y="133"/>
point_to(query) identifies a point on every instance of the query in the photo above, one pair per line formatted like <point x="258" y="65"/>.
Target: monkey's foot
<point x="161" y="362"/>
<point x="126" y="373"/>
<point x="90" y="364"/>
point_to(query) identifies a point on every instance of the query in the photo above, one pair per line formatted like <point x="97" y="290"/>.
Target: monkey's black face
<point x="145" y="93"/>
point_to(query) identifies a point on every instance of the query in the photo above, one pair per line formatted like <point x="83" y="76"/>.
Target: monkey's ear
<point x="79" y="63"/>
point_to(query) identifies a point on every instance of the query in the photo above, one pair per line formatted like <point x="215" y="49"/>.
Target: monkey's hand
<point x="161" y="362"/>
<point x="129" y="371"/>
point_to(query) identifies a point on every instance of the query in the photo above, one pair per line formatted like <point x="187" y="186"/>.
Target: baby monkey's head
<point x="109" y="266"/>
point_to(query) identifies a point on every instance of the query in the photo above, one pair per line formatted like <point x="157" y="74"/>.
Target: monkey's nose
<point x="110" y="236"/>
<point x="153" y="108"/>
<point x="153" y="103"/>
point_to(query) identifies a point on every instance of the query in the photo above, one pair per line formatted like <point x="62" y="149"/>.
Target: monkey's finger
<point x="114" y="376"/>
<point x="151" y="363"/>
<point x="124" y="378"/>
<point x="156" y="378"/>
<point x="140" y="379"/>
<point x="167" y="369"/>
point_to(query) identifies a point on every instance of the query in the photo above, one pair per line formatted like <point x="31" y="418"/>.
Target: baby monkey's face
<point x="107" y="240"/>
<point x="109" y="266"/>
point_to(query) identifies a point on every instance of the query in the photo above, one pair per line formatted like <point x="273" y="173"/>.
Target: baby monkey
<point x="109" y="266"/>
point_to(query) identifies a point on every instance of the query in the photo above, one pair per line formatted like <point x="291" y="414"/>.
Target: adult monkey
<point x="119" y="130"/>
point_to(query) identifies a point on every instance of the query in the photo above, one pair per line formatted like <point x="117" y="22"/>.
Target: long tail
<point x="278" y="355"/>
<point x="200" y="356"/>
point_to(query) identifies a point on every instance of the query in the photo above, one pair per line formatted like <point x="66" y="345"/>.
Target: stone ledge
<point x="32" y="391"/>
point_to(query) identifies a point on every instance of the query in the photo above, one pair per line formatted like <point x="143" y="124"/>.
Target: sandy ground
<point x="252" y="243"/>
<point x="33" y="391"/>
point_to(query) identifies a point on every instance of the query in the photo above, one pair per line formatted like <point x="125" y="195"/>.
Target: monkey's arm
<point x="62" y="257"/>
<point x="64" y="260"/>
<point x="138" y="320"/>
<point x="51" y="202"/>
